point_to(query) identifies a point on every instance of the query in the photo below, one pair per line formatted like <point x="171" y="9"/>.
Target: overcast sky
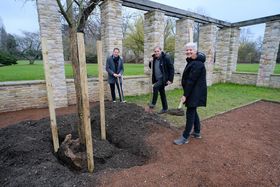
<point x="17" y="15"/>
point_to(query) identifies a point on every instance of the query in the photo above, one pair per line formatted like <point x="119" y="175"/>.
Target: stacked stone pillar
<point x="181" y="39"/>
<point x="50" y="28"/>
<point x="153" y="35"/>
<point x="207" y="41"/>
<point x="111" y="27"/>
<point x="227" y="52"/>
<point x="269" y="52"/>
<point x="233" y="52"/>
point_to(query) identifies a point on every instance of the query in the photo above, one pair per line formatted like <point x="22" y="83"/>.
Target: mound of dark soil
<point x="26" y="151"/>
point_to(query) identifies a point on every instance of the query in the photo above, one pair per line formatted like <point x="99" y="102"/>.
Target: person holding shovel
<point x="195" y="92"/>
<point x="114" y="67"/>
<point x="162" y="75"/>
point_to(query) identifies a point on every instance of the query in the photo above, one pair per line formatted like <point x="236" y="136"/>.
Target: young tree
<point x="76" y="14"/>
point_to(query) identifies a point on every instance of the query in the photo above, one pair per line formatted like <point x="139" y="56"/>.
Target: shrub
<point x="7" y="59"/>
<point x="91" y="58"/>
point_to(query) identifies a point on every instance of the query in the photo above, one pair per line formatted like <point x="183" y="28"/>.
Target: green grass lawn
<point x="253" y="68"/>
<point x="221" y="97"/>
<point x="24" y="71"/>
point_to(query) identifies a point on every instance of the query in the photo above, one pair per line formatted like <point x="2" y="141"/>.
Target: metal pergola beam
<point x="256" y="21"/>
<point x="147" y="5"/>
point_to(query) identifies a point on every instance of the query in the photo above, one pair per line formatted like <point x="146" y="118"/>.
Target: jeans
<point x="159" y="87"/>
<point x="192" y="120"/>
<point x="113" y="94"/>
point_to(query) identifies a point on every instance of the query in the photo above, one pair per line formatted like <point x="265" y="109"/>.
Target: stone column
<point x="181" y="39"/>
<point x="153" y="35"/>
<point x="207" y="41"/>
<point x="111" y="27"/>
<point x="227" y="51"/>
<point x="50" y="28"/>
<point x="269" y="52"/>
<point x="233" y="52"/>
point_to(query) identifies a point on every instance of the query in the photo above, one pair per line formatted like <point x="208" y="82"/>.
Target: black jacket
<point x="166" y="67"/>
<point x="194" y="81"/>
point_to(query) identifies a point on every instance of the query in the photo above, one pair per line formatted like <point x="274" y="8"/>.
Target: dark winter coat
<point x="194" y="81"/>
<point x="111" y="69"/>
<point x="166" y="67"/>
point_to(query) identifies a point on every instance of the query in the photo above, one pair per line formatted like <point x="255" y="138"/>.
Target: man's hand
<point x="115" y="75"/>
<point x="169" y="82"/>
<point x="119" y="75"/>
<point x="183" y="99"/>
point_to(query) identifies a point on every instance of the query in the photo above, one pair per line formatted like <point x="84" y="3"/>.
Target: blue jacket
<point x="110" y="68"/>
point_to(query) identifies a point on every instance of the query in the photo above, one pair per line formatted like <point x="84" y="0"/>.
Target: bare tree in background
<point x="29" y="46"/>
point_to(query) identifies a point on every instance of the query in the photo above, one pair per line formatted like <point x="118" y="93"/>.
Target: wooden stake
<point x="101" y="89"/>
<point x="50" y="95"/>
<point x="85" y="100"/>
<point x="191" y="34"/>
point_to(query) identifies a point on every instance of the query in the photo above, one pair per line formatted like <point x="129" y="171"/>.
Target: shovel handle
<point x="180" y="105"/>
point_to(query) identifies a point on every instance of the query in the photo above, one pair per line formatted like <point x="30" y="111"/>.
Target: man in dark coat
<point x="195" y="91"/>
<point x="162" y="75"/>
<point x="114" y="67"/>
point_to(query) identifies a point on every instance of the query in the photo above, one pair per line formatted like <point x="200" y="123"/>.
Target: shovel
<point x="178" y="111"/>
<point x="120" y="89"/>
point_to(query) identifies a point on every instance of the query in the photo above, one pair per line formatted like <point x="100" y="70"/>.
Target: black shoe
<point x="151" y="105"/>
<point x="162" y="111"/>
<point x="196" y="135"/>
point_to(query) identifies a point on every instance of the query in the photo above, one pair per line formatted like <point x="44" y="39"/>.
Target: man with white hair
<point x="195" y="92"/>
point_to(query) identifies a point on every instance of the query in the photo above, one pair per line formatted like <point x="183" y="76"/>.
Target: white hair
<point x="191" y="45"/>
<point x="157" y="47"/>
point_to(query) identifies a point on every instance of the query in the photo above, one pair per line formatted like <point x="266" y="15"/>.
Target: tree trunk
<point x="77" y="80"/>
<point x="31" y="61"/>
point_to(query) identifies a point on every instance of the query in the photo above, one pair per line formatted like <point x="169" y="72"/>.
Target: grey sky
<point x="17" y="15"/>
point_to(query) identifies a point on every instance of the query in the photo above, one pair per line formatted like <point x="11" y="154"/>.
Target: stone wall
<point x="244" y="78"/>
<point x="21" y="95"/>
<point x="274" y="81"/>
<point x="50" y="28"/>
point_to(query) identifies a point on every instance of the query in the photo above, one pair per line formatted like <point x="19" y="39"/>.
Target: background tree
<point x="134" y="39"/>
<point x="29" y="46"/>
<point x="249" y="50"/>
<point x="169" y="36"/>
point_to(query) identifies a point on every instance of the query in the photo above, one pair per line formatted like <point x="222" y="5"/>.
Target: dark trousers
<point x="113" y="94"/>
<point x="159" y="87"/>
<point x="192" y="120"/>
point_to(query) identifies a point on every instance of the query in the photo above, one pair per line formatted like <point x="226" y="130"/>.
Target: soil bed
<point x="238" y="148"/>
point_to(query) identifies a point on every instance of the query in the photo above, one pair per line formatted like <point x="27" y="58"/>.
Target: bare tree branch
<point x="64" y="13"/>
<point x="85" y="14"/>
